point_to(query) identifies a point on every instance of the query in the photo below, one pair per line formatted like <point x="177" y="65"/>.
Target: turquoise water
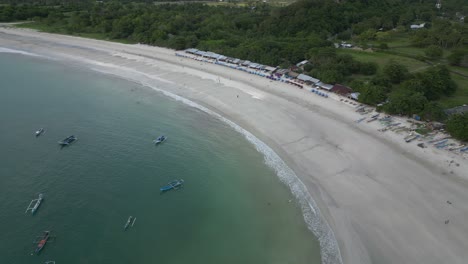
<point x="232" y="209"/>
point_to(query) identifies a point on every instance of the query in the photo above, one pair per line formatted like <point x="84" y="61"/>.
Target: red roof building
<point x="341" y="89"/>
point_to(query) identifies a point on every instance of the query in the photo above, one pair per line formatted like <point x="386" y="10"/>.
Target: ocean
<point x="233" y="207"/>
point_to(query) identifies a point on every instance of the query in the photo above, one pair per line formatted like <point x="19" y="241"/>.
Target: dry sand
<point x="385" y="200"/>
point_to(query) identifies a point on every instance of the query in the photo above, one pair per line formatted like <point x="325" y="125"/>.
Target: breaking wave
<point x="7" y="50"/>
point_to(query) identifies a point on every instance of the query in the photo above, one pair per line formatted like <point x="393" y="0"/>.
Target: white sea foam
<point x="330" y="252"/>
<point x="7" y="50"/>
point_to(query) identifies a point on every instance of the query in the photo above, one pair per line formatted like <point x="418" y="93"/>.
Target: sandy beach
<point x="386" y="201"/>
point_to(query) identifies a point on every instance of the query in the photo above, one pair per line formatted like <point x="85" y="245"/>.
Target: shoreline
<point x="386" y="206"/>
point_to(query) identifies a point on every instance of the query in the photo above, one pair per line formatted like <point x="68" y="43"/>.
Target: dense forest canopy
<point x="260" y="32"/>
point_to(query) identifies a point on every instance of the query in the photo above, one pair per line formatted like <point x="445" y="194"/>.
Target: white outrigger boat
<point x="130" y="222"/>
<point x="39" y="132"/>
<point x="34" y="204"/>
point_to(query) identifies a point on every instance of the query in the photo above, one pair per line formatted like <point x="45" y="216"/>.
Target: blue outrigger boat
<point x="173" y="185"/>
<point x="160" y="139"/>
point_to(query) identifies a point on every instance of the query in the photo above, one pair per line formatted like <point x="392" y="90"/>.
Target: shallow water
<point x="232" y="209"/>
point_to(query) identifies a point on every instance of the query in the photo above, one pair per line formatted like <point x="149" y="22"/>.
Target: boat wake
<point x="330" y="252"/>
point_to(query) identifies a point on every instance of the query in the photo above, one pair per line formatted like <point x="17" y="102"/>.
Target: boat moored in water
<point x="173" y="185"/>
<point x="160" y="139"/>
<point x="42" y="242"/>
<point x="39" y="132"/>
<point x="131" y="220"/>
<point x="34" y="204"/>
<point x="68" y="140"/>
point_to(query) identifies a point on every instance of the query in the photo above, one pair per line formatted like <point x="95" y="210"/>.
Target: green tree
<point x="372" y="94"/>
<point x="383" y="46"/>
<point x="368" y="68"/>
<point x="456" y="57"/>
<point x="395" y="72"/>
<point x="433" y="112"/>
<point x="405" y="102"/>
<point x="457" y="126"/>
<point x="434" y="52"/>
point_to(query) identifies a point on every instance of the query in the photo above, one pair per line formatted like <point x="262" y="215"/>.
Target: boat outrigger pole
<point x="130" y="222"/>
<point x="34" y="204"/>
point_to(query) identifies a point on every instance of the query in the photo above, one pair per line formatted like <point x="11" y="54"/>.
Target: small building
<point x="418" y="26"/>
<point x="270" y="69"/>
<point x="346" y="45"/>
<point x="200" y="53"/>
<point x="302" y="63"/>
<point x="292" y="74"/>
<point x="254" y="65"/>
<point x="354" y="96"/>
<point x="282" y="71"/>
<point x="436" y="125"/>
<point x="324" y="86"/>
<point x="341" y="89"/>
<point x="191" y="51"/>
<point x="457" y="110"/>
<point x="307" y="79"/>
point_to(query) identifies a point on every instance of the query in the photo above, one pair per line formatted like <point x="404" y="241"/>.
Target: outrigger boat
<point x="160" y="139"/>
<point x="34" y="204"/>
<point x="68" y="140"/>
<point x="173" y="185"/>
<point x="131" y="220"/>
<point x="42" y="241"/>
<point x="39" y="132"/>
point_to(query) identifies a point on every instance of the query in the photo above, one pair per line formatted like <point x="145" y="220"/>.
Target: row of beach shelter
<point x="262" y="74"/>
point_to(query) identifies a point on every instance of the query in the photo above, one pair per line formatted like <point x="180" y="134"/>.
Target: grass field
<point x="459" y="98"/>
<point x="382" y="58"/>
<point x="461" y="95"/>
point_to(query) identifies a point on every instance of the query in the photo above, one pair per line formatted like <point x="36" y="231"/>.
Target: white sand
<point x="384" y="199"/>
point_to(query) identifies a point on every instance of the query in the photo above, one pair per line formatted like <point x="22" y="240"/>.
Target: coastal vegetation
<point x="458" y="126"/>
<point x="401" y="70"/>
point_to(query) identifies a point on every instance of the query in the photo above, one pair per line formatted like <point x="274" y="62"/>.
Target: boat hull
<point x="172" y="186"/>
<point x="42" y="243"/>
<point x="68" y="141"/>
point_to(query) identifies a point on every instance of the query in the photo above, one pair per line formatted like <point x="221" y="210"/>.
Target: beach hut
<point x="191" y="51"/>
<point x="341" y="89"/>
<point x="324" y="86"/>
<point x="354" y="96"/>
<point x="307" y="79"/>
<point x="292" y="74"/>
